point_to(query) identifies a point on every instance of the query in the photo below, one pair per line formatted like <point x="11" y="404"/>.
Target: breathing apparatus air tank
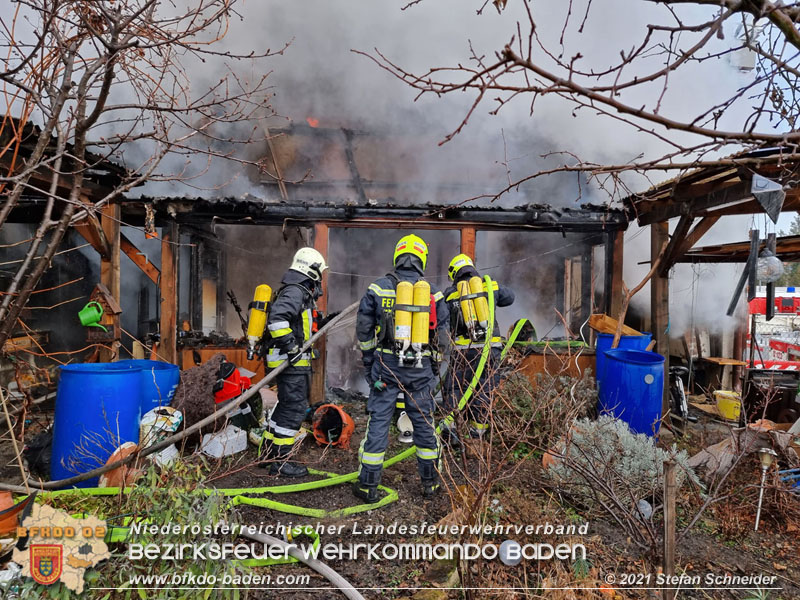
<point x="420" y="328"/>
<point x="481" y="304"/>
<point x="257" y="320"/>
<point x="404" y="296"/>
<point x="467" y="307"/>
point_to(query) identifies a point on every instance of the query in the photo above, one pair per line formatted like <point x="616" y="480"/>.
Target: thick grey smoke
<point x="319" y="77"/>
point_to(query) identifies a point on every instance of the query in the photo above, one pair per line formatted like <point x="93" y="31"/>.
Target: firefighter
<point x="400" y="365"/>
<point x="290" y="324"/>
<point x="467" y="301"/>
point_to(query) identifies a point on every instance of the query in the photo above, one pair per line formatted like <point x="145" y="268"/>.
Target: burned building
<point x="348" y="193"/>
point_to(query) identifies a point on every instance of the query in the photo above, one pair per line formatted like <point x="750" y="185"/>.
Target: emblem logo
<point x="46" y="562"/>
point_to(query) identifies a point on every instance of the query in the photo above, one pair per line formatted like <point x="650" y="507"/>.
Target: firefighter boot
<point x="281" y="465"/>
<point x="430" y="479"/>
<point x="430" y="487"/>
<point x="367" y="493"/>
<point x="366" y="486"/>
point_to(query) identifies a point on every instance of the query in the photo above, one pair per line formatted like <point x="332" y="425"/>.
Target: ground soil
<point x="711" y="546"/>
<point x="722" y="541"/>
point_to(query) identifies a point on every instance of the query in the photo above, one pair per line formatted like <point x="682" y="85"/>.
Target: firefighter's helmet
<point x="458" y="263"/>
<point x="309" y="262"/>
<point x="412" y="244"/>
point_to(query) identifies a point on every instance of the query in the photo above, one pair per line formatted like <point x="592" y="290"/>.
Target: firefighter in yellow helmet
<point x="467" y="302"/>
<point x="394" y="332"/>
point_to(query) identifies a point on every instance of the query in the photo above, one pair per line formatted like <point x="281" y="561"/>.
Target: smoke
<point x="319" y="77"/>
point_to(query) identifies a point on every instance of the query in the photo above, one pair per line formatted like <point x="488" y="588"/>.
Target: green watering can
<point x="90" y="315"/>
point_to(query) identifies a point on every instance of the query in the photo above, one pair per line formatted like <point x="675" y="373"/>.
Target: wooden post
<point x="559" y="300"/>
<point x="575" y="281"/>
<point x="139" y="259"/>
<point x="670" y="517"/>
<point x="659" y="305"/>
<point x="468" y="241"/>
<point x="739" y="342"/>
<point x="110" y="274"/>
<point x="614" y="263"/>
<point x="318" y="377"/>
<point x="169" y="293"/>
<point x="587" y="295"/>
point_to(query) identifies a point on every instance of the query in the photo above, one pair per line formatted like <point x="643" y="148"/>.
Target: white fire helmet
<point x="309" y="262"/>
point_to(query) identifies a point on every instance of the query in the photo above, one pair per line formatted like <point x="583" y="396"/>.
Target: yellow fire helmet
<point x="458" y="263"/>
<point x="412" y="244"/>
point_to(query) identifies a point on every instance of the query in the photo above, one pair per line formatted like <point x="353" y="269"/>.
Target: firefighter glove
<point x="327" y="319"/>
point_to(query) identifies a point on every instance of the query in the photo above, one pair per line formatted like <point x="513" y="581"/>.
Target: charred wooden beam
<point x="335" y="212"/>
<point x="771" y="246"/>
<point x="587" y="262"/>
<point x="675" y="207"/>
<point x="695" y="234"/>
<point x="139" y="259"/>
<point x="351" y="163"/>
<point x="748" y="274"/>
<point x="615" y="246"/>
<point x="675" y="242"/>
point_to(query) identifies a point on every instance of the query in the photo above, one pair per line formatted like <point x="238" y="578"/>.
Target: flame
<point x="312" y="121"/>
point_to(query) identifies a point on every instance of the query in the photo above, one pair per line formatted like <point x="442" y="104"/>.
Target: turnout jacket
<point x="290" y="321"/>
<point x="503" y="296"/>
<point x="378" y="304"/>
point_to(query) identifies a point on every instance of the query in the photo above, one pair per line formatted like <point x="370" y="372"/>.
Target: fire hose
<point x="243" y="495"/>
<point x="221" y="411"/>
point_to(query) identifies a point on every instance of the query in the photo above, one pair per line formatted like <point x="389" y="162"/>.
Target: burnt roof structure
<point x="251" y="210"/>
<point x="716" y="191"/>
<point x="787" y="248"/>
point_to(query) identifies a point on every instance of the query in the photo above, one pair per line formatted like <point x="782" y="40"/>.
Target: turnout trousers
<point x="284" y="424"/>
<point x="464" y="364"/>
<point x="416" y="384"/>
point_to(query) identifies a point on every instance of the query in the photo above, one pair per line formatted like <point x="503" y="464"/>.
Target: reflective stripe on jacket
<point x="290" y="321"/>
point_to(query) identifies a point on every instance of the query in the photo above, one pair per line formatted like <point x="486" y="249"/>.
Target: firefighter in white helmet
<point x="467" y="300"/>
<point x="290" y="324"/>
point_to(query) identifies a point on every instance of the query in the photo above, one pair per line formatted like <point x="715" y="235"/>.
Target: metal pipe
<point x="760" y="496"/>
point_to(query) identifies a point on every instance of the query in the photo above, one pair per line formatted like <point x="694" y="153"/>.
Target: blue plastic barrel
<point x="626" y="342"/>
<point x="159" y="382"/>
<point x="97" y="410"/>
<point x="632" y="389"/>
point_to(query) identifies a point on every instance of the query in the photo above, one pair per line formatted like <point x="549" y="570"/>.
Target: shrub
<point x="605" y="461"/>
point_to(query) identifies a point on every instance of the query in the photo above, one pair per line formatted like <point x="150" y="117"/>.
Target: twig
<point x="14" y="441"/>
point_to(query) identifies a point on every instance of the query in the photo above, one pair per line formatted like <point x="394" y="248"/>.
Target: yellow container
<point x="729" y="404"/>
